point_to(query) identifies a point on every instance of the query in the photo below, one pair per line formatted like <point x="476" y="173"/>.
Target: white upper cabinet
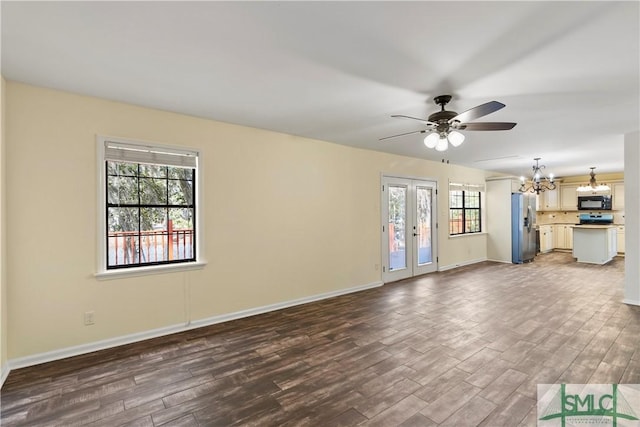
<point x="617" y="191"/>
<point x="549" y="200"/>
<point x="569" y="197"/>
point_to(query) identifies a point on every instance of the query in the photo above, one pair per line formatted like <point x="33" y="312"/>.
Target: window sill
<point x="146" y="271"/>
<point x="456" y="236"/>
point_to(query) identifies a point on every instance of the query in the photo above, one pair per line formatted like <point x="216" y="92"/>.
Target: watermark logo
<point x="594" y="405"/>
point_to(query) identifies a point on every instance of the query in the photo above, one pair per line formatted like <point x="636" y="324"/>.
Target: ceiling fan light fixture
<point x="455" y="138"/>
<point x="443" y="125"/>
<point x="431" y="140"/>
<point x="443" y="144"/>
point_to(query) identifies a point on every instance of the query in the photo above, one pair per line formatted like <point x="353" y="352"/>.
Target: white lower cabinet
<point x="620" y="232"/>
<point x="562" y="236"/>
<point x="546" y="238"/>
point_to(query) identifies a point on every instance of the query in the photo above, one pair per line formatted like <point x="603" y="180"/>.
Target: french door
<point x="409" y="243"/>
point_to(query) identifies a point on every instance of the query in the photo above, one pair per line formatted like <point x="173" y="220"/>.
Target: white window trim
<point x="102" y="272"/>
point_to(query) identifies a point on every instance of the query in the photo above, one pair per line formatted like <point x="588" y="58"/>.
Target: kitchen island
<point x="594" y="244"/>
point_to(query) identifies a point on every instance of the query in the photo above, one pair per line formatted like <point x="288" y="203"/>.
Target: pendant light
<point x="593" y="185"/>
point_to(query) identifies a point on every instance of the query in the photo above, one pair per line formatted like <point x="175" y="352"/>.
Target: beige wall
<point x="284" y="218"/>
<point x="498" y="223"/>
<point x="3" y="272"/>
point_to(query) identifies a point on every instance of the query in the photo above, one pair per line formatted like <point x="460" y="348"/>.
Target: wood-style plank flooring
<point x="464" y="347"/>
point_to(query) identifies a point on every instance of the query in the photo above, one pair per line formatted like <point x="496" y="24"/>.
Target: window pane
<point x="455" y="199"/>
<point x="123" y="236"/>
<point x="472" y="219"/>
<point x="153" y="191"/>
<point x="182" y="235"/>
<point x="122" y="190"/>
<point x="180" y="173"/>
<point x="153" y="171"/>
<point x="472" y="200"/>
<point x="455" y="221"/>
<point x="123" y="219"/>
<point x="122" y="169"/>
<point x="180" y="192"/>
<point x="153" y="219"/>
<point x="153" y="234"/>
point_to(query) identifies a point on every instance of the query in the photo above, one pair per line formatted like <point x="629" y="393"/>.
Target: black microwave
<point x="594" y="203"/>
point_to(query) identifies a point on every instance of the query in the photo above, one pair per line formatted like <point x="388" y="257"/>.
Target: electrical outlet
<point x="89" y="318"/>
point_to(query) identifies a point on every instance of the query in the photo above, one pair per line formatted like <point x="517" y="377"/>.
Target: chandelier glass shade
<point x="538" y="182"/>
<point x="441" y="140"/>
<point x="593" y="185"/>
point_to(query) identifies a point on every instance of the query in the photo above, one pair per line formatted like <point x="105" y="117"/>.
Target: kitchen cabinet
<point x="569" y="197"/>
<point x="546" y="238"/>
<point x="620" y="233"/>
<point x="562" y="236"/>
<point x="548" y="200"/>
<point x="617" y="191"/>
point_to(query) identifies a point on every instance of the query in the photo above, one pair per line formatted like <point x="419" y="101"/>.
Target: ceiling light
<point x="431" y="140"/>
<point x="538" y="182"/>
<point x="441" y="140"/>
<point x="443" y="143"/>
<point x="455" y="138"/>
<point x="593" y="185"/>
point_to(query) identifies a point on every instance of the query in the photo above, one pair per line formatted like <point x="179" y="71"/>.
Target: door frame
<point x="413" y="269"/>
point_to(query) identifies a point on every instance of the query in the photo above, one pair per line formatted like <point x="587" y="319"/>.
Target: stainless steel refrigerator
<point x="523" y="227"/>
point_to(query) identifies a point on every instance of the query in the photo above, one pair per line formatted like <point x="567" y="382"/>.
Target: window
<point x="465" y="215"/>
<point x="148" y="205"/>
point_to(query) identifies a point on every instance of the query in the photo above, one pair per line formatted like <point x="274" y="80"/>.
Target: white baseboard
<point x="630" y="301"/>
<point x="4" y="373"/>
<point x="278" y="306"/>
<point x="461" y="264"/>
<point x="50" y="356"/>
<point x="63" y="353"/>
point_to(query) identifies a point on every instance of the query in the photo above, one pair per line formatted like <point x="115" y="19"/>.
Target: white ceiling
<point x="336" y="71"/>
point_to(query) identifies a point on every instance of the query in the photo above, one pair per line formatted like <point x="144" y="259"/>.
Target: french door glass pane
<point x="423" y="223"/>
<point x="397" y="222"/>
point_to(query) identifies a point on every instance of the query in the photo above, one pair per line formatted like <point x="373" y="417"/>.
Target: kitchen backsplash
<point x="568" y="217"/>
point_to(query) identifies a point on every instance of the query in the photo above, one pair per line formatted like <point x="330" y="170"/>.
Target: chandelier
<point x="539" y="182"/>
<point x="593" y="185"/>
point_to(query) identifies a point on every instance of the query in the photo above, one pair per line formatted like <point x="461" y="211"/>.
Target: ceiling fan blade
<point x="415" y="118"/>
<point x="477" y="112"/>
<point x="402" y="134"/>
<point x="487" y="126"/>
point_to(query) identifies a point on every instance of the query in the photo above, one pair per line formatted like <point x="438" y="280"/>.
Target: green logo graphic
<point x="592" y="404"/>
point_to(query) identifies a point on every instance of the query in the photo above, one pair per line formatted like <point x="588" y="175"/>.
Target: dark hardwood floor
<point x="464" y="347"/>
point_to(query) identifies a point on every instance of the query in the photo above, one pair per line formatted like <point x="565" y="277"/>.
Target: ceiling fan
<point x="443" y="125"/>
